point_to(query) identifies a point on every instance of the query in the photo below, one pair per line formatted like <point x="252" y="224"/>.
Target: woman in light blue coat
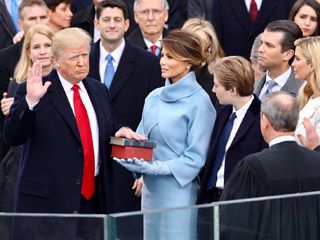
<point x="180" y="117"/>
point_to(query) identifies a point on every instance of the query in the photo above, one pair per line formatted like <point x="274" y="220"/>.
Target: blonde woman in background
<point x="307" y="66"/>
<point x="36" y="47"/>
<point x="205" y="31"/>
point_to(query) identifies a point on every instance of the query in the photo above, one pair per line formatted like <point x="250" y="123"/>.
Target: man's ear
<point x="287" y="55"/>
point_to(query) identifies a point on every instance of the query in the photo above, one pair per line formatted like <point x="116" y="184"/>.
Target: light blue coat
<point x="180" y="117"/>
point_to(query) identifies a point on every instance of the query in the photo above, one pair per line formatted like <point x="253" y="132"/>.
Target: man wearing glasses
<point x="151" y="17"/>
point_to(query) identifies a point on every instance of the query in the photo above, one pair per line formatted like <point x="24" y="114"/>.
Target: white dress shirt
<point x="281" y="139"/>
<point x="157" y="43"/>
<point x="236" y="124"/>
<point x="116" y="56"/>
<point x="258" y="2"/>
<point x="67" y="86"/>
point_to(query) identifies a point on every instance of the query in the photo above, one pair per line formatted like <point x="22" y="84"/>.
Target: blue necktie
<point x="270" y="84"/>
<point x="15" y="13"/>
<point x="221" y="148"/>
<point x="109" y="73"/>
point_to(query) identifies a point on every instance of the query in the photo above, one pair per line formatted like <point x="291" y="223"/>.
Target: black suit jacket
<point x="138" y="73"/>
<point x="84" y="19"/>
<point x="247" y="140"/>
<point x="7" y="28"/>
<point x="232" y="21"/>
<point x="50" y="174"/>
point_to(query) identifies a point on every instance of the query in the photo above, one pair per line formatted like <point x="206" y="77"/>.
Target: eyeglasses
<point x="154" y="12"/>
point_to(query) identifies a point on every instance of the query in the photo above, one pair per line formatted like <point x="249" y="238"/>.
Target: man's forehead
<point x="34" y="11"/>
<point x="76" y="51"/>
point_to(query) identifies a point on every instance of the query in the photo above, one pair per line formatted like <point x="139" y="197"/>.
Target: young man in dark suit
<point x="64" y="122"/>
<point x="233" y="85"/>
<point x="135" y="73"/>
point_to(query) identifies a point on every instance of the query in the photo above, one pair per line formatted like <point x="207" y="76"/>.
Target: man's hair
<point x="290" y="30"/>
<point x="112" y="4"/>
<point x="234" y="72"/>
<point x="52" y="4"/>
<point x="137" y="2"/>
<point x="29" y="3"/>
<point x="69" y="38"/>
<point x="282" y="111"/>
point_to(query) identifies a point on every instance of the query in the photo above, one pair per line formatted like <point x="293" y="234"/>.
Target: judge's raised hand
<point x="35" y="87"/>
<point x="312" y="140"/>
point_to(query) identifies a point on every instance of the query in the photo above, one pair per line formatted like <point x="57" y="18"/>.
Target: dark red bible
<point x="129" y="148"/>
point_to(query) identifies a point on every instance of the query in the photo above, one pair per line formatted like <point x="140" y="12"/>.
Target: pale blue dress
<point x="180" y="117"/>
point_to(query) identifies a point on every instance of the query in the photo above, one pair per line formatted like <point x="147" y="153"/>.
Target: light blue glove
<point x="147" y="167"/>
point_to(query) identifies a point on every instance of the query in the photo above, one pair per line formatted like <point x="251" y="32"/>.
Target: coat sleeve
<point x="19" y="124"/>
<point x="187" y="167"/>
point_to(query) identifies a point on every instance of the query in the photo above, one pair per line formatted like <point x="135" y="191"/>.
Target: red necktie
<point x="253" y="11"/>
<point x="83" y="123"/>
<point x="153" y="49"/>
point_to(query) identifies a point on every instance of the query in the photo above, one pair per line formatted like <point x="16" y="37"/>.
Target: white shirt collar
<point x="116" y="54"/>
<point x="248" y="2"/>
<point x="282" y="139"/>
<point x="149" y="43"/>
<point x="68" y="85"/>
<point x="281" y="79"/>
<point x="243" y="110"/>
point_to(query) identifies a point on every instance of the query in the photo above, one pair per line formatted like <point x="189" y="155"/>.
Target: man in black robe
<point x="283" y="168"/>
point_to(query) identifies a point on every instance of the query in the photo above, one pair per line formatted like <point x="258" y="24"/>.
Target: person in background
<point x="31" y="12"/>
<point x="306" y="13"/>
<point x="182" y="135"/>
<point x="200" y="8"/>
<point x="135" y="73"/>
<point x="7" y="27"/>
<point x="259" y="71"/>
<point x="306" y="66"/>
<point x="207" y="34"/>
<point x="276" y="53"/>
<point x="59" y="14"/>
<point x="151" y="17"/>
<point x="36" y="47"/>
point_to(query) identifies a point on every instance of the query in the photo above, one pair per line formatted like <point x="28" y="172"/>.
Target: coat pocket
<point x="31" y="188"/>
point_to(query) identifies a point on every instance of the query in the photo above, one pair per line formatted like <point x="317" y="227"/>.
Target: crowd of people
<point x="228" y="90"/>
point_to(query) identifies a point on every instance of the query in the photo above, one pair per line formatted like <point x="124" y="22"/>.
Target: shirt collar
<point x="282" y="139"/>
<point x="281" y="79"/>
<point x="243" y="110"/>
<point x="68" y="85"/>
<point x="149" y="44"/>
<point x="116" y="54"/>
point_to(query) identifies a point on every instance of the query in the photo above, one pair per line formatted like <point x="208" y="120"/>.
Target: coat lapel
<point x="240" y="10"/>
<point x="59" y="99"/>
<point x="266" y="10"/>
<point x="124" y="70"/>
<point x="94" y="61"/>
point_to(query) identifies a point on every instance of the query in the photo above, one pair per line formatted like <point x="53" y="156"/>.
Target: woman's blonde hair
<point x="214" y="49"/>
<point x="310" y="49"/>
<point x="21" y="70"/>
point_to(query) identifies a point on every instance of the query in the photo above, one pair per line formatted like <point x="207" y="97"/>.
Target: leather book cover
<point x="131" y="152"/>
<point x="132" y="143"/>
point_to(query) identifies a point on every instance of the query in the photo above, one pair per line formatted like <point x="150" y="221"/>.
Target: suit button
<point x="78" y="182"/>
<point x="80" y="150"/>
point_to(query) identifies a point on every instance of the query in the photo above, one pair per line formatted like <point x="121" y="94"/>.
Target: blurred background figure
<point x="59" y="14"/>
<point x="8" y="28"/>
<point x="200" y="8"/>
<point x="306" y="13"/>
<point x="36" y="47"/>
<point x="205" y="31"/>
<point x="259" y="71"/>
<point x="307" y="67"/>
<point x="151" y="17"/>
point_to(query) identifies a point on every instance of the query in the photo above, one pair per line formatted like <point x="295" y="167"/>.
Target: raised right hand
<point x="35" y="88"/>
